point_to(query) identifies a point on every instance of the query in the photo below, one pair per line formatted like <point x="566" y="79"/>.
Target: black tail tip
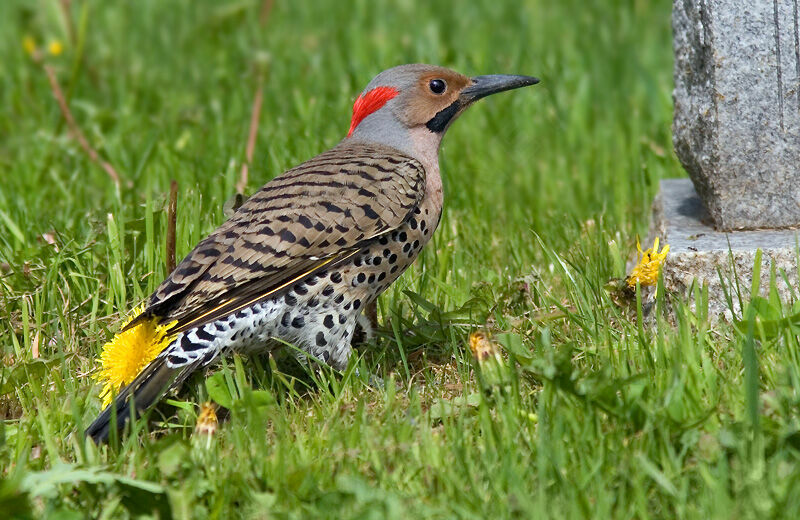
<point x="100" y="429"/>
<point x="97" y="435"/>
<point x="140" y="395"/>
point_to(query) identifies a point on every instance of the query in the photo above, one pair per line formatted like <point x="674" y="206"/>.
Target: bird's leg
<point x="371" y="313"/>
<point x="366" y="322"/>
<point x="367" y="331"/>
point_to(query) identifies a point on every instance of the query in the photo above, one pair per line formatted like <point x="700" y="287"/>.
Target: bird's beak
<point x="483" y="86"/>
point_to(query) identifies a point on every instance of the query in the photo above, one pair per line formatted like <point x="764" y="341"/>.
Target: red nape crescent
<point x="369" y="103"/>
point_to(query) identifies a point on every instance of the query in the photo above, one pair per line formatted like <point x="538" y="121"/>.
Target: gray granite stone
<point x="736" y="128"/>
<point x="699" y="254"/>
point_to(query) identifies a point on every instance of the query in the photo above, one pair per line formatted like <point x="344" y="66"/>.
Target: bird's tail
<point x="142" y="393"/>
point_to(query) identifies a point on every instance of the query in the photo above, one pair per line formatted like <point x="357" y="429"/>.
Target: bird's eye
<point x="437" y="86"/>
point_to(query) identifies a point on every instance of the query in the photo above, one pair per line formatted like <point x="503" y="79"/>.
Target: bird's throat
<point x="425" y="148"/>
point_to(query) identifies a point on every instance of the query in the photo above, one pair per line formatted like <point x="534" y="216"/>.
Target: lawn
<point x="589" y="410"/>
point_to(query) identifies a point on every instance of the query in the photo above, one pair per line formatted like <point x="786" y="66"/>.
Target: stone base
<point x="699" y="254"/>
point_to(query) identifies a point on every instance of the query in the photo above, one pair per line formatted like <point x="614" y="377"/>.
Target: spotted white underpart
<point x="319" y="314"/>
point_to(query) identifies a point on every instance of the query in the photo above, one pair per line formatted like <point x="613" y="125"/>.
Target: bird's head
<point x="419" y="102"/>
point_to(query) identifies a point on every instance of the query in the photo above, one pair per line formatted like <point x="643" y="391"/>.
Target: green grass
<point x="592" y="413"/>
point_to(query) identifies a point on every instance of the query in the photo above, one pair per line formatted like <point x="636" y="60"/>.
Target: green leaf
<point x="656" y="474"/>
<point x="141" y="497"/>
<point x="768" y="319"/>
<point x="183" y="405"/>
<point x="138" y="496"/>
<point x="32" y="371"/>
<point x="12" y="227"/>
<point x="218" y="391"/>
<point x="14" y="501"/>
<point x="171" y="458"/>
<point x="451" y="407"/>
<point x="513" y="344"/>
<point x="750" y="361"/>
<point x="421" y="302"/>
<point x="260" y="398"/>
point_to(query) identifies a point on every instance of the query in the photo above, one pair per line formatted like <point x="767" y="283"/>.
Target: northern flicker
<point x="301" y="259"/>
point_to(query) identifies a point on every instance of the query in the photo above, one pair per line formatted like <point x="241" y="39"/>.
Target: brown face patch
<point x="422" y="103"/>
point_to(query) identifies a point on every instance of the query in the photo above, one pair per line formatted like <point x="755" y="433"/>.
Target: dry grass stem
<point x="255" y="114"/>
<point x="172" y="218"/>
<point x="74" y="129"/>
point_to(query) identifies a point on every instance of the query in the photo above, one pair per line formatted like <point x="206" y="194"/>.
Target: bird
<point x="300" y="259"/>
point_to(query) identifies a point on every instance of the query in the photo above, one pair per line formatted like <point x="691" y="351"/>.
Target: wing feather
<point x="307" y="219"/>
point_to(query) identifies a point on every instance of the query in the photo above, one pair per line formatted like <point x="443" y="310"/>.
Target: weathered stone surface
<point x="724" y="261"/>
<point x="737" y="108"/>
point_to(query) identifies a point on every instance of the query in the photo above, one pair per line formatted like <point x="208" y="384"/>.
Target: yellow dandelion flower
<point x="206" y="419"/>
<point x="645" y="272"/>
<point x="55" y="47"/>
<point x="482" y="347"/>
<point x="126" y="355"/>
<point x="492" y="369"/>
<point x="29" y="44"/>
